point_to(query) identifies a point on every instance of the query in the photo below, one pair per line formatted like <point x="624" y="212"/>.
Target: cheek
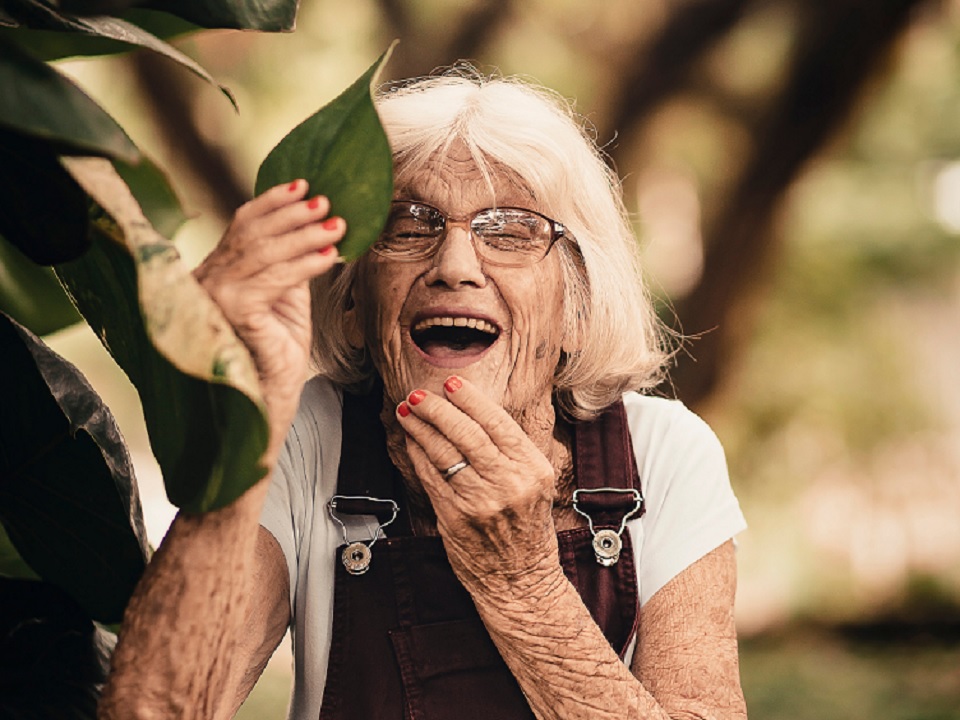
<point x="384" y="297"/>
<point x="538" y="317"/>
<point x="379" y="301"/>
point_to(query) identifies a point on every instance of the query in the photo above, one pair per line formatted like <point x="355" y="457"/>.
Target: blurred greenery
<point x="809" y="675"/>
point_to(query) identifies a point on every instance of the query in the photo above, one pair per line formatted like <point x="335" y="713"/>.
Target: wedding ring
<point x="454" y="469"/>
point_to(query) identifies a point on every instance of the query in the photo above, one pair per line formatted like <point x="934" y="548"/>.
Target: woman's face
<point x="507" y="322"/>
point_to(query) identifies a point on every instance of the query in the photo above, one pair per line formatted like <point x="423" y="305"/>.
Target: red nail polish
<point x="313" y="203"/>
<point x="330" y="223"/>
<point x="403" y="410"/>
<point x="328" y="250"/>
<point x="452" y="384"/>
<point x="292" y="187"/>
<point x="416" y="396"/>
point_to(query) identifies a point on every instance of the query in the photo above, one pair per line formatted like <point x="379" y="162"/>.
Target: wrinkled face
<point x="500" y="327"/>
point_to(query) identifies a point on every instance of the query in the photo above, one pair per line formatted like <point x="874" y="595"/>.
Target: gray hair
<point x="535" y="134"/>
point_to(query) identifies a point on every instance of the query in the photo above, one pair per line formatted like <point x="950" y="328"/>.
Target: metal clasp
<point x="607" y="543"/>
<point x="356" y="556"/>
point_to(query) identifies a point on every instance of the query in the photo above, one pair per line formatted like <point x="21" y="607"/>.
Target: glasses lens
<point x="502" y="236"/>
<point x="512" y="236"/>
<point x="411" y="231"/>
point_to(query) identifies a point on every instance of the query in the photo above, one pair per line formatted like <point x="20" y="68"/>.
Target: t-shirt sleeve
<point x="284" y="509"/>
<point x="288" y="511"/>
<point x="690" y="506"/>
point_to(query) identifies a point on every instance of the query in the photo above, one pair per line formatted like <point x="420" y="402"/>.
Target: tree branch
<point x="840" y="47"/>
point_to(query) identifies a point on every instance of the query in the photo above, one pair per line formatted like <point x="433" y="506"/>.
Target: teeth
<point x="474" y="323"/>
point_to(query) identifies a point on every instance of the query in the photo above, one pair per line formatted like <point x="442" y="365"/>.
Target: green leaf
<point x="43" y="212"/>
<point x="53" y="658"/>
<point x="31" y="294"/>
<point x="95" y="7"/>
<point x="265" y="15"/>
<point x="152" y="189"/>
<point x="196" y="380"/>
<point x="342" y="151"/>
<point x="39" y="16"/>
<point x="37" y="100"/>
<point x="11" y="564"/>
<point x="56" y="45"/>
<point x="68" y="495"/>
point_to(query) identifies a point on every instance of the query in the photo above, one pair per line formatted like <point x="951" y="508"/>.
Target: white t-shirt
<point x="690" y="510"/>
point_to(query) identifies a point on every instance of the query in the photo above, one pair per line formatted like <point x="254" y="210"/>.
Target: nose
<point x="456" y="263"/>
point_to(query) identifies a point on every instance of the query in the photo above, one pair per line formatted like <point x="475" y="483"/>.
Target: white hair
<point x="618" y="343"/>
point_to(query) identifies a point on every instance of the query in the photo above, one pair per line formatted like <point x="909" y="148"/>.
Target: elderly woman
<point x="472" y="513"/>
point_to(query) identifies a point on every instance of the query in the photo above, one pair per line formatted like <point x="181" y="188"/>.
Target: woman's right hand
<point x="259" y="275"/>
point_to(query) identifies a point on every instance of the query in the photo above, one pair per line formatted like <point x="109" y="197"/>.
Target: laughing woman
<point x="473" y="512"/>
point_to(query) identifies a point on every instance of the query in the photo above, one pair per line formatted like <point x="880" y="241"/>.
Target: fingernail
<point x="330" y="223"/>
<point x="313" y="203"/>
<point x="416" y="396"/>
<point x="453" y="383"/>
<point x="328" y="250"/>
<point x="403" y="409"/>
<point x="292" y="187"/>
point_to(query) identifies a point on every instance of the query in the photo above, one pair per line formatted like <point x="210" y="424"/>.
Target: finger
<point x="441" y="452"/>
<point x="260" y="255"/>
<point x="432" y="479"/>
<point x="312" y="238"/>
<point x="458" y="429"/>
<point x="496" y="422"/>
<point x="270" y="200"/>
<point x="297" y="270"/>
<point x="291" y="216"/>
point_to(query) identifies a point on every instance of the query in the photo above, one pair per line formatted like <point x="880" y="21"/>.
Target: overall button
<point x="356" y="558"/>
<point x="607" y="545"/>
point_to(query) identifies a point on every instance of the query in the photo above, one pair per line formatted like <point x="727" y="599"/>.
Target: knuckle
<point x="463" y="427"/>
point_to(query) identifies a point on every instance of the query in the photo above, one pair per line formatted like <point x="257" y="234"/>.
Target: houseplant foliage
<point x="71" y="536"/>
<point x="85" y="530"/>
<point x="342" y="151"/>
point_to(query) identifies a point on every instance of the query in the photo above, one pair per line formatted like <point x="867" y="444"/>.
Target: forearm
<point x="685" y="664"/>
<point x="179" y="632"/>
<point x="559" y="656"/>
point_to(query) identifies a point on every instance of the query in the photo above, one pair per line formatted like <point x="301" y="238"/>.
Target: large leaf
<point x="342" y="151"/>
<point x="68" y="495"/>
<point x="37" y="15"/>
<point x="31" y="294"/>
<point x="266" y="15"/>
<point x="53" y="659"/>
<point x="33" y="183"/>
<point x="43" y="212"/>
<point x="152" y="189"/>
<point x="55" y="45"/>
<point x="196" y="380"/>
<point x="96" y="7"/>
<point x="37" y="100"/>
<point x="11" y="564"/>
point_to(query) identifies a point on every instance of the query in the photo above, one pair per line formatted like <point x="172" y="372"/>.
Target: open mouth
<point x="449" y="337"/>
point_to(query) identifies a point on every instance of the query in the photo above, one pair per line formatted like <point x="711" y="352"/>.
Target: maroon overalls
<point x="407" y="640"/>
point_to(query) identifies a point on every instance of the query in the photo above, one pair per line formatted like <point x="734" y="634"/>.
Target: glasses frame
<point x="557" y="231"/>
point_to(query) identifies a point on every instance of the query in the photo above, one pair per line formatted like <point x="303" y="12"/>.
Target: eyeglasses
<point x="505" y="236"/>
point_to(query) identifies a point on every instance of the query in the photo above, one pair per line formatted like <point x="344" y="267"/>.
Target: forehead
<point x="453" y="180"/>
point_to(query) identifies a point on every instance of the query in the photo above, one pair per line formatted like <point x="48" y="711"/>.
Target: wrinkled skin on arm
<point x="497" y="524"/>
<point x="213" y="602"/>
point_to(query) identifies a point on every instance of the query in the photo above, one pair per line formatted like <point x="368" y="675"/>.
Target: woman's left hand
<point x="494" y="515"/>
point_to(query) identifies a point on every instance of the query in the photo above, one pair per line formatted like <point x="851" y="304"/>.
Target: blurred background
<point x="793" y="171"/>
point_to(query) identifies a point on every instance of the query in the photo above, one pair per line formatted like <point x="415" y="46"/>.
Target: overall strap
<point x="366" y="470"/>
<point x="604" y="460"/>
